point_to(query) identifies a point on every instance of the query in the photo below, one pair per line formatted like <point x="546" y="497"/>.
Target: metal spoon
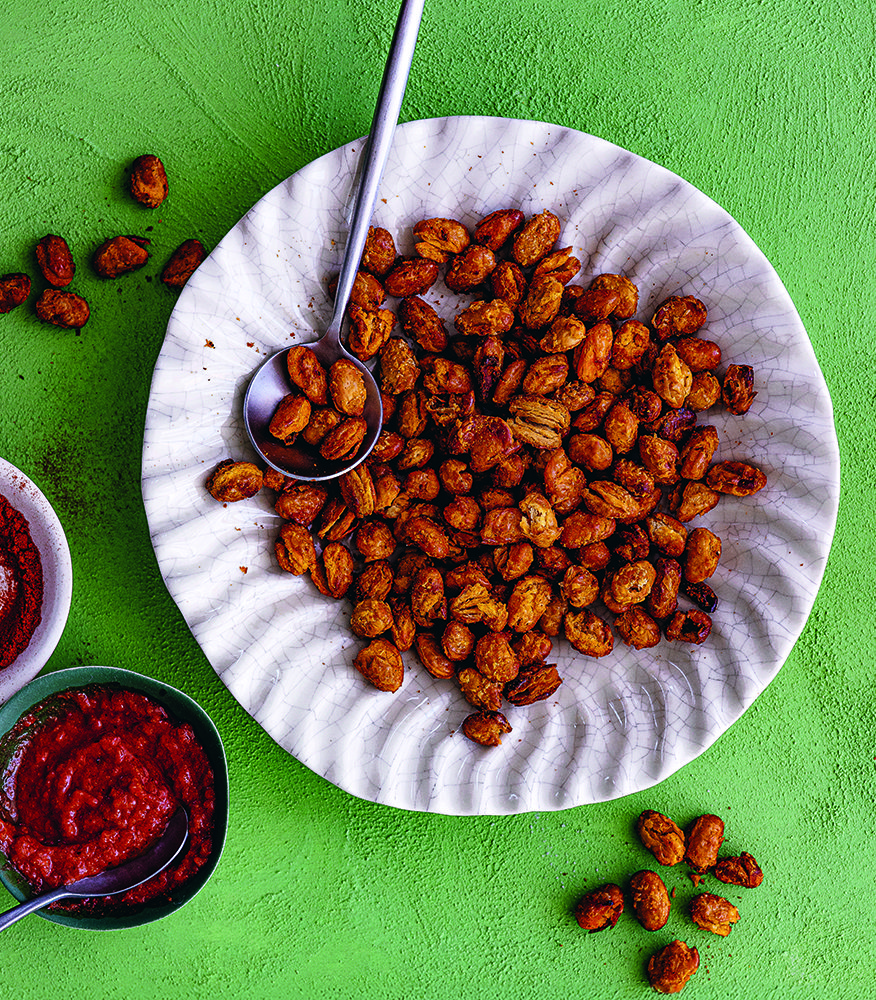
<point x="270" y="383"/>
<point x="115" y="880"/>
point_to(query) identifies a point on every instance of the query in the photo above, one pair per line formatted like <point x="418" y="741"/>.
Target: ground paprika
<point x="21" y="584"/>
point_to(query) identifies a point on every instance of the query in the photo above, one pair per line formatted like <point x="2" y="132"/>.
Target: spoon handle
<point x="389" y="101"/>
<point x="30" y="906"/>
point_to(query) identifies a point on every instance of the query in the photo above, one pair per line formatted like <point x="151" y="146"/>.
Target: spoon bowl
<point x="114" y="880"/>
<point x="270" y="383"/>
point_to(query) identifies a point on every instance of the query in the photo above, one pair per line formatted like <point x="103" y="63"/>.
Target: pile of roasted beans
<point x="542" y="457"/>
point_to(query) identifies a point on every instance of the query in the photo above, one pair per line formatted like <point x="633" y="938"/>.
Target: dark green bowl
<point x="181" y="707"/>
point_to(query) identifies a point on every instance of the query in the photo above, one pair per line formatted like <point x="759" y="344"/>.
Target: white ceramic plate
<point x="49" y="538"/>
<point x="616" y="725"/>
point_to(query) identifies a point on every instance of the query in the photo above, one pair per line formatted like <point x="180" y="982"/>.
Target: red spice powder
<point x="21" y="584"/>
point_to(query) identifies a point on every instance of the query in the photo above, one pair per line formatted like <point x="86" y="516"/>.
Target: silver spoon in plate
<point x="270" y="383"/>
<point x="113" y="880"/>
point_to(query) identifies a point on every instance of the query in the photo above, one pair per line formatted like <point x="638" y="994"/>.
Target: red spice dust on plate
<point x="21" y="584"/>
<point x="90" y="777"/>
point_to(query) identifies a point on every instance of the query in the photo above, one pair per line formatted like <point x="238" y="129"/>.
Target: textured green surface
<point x="766" y="106"/>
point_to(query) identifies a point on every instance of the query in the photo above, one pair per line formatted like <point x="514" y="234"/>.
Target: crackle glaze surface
<point x="616" y="725"/>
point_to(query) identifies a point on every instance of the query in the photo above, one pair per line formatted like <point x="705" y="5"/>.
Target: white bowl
<point x="285" y="651"/>
<point x="49" y="538"/>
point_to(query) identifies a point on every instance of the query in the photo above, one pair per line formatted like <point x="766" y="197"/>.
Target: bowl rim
<point x="48" y="536"/>
<point x="183" y="707"/>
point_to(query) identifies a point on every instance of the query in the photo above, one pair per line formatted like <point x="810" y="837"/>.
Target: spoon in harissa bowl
<point x="114" y="880"/>
<point x="270" y="383"/>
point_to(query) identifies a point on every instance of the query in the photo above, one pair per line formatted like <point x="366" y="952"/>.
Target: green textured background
<point x="766" y="106"/>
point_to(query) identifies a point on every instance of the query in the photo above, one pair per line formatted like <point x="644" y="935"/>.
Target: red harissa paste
<point x="90" y="778"/>
<point x="21" y="584"/>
